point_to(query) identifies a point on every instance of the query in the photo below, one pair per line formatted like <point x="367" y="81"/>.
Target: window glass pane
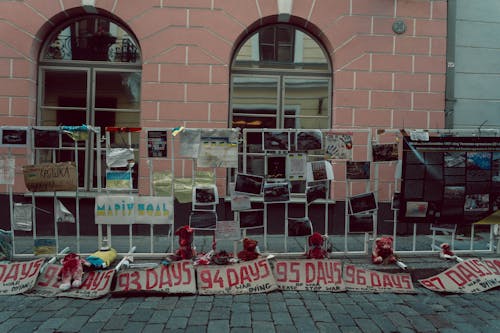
<point x="92" y="38"/>
<point x="64" y="88"/>
<point x="115" y="90"/>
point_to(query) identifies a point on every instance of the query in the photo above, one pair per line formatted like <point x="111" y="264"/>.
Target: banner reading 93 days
<point x="469" y="276"/>
<point x="312" y="275"/>
<point x="248" y="277"/>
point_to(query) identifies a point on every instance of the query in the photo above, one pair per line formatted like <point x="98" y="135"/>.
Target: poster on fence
<point x="129" y="209"/>
<point x="311" y="275"/>
<point x="176" y="278"/>
<point x="18" y="277"/>
<point x="469" y="276"/>
<point x="360" y="279"/>
<point x="248" y="277"/>
<point x="7" y="170"/>
<point x="49" y="177"/>
<point x="95" y="284"/>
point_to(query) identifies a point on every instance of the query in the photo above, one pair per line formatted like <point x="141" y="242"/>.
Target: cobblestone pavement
<point x="425" y="311"/>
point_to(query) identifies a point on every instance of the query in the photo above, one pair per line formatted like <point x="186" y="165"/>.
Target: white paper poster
<point x="319" y="170"/>
<point x="7" y="170"/>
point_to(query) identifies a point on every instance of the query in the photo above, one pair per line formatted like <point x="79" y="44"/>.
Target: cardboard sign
<point x="360" y="279"/>
<point x="95" y="284"/>
<point x="469" y="276"/>
<point x="249" y="277"/>
<point x="176" y="278"/>
<point x="49" y="177"/>
<point x="129" y="209"/>
<point x="311" y="275"/>
<point x="18" y="277"/>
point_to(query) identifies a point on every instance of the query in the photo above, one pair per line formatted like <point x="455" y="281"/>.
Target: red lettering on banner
<point x="281" y="269"/>
<point x="337" y="267"/>
<point x="3" y="268"/>
<point x="396" y="280"/>
<point x="430" y="283"/>
<point x="360" y="277"/>
<point x="244" y="276"/>
<point x="295" y="270"/>
<point x="232" y="277"/>
<point x="165" y="276"/>
<point x="123" y="281"/>
<point x="456" y="277"/>
<point x="177" y="275"/>
<point x="206" y="279"/>
<point x="263" y="264"/>
<point x="321" y="273"/>
<point x="387" y="281"/>
<point x="310" y="272"/>
<point x="151" y="278"/>
<point x="187" y="270"/>
<point x="375" y="279"/>
<point x="466" y="273"/>
<point x="49" y="276"/>
<point x="478" y="267"/>
<point x="406" y="280"/>
<point x="218" y="279"/>
<point x="493" y="265"/>
<point x="13" y="272"/>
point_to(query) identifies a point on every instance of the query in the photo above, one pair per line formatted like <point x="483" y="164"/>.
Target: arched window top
<point x="281" y="46"/>
<point x="92" y="38"/>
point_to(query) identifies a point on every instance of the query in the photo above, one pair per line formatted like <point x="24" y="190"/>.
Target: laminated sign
<point x="49" y="177"/>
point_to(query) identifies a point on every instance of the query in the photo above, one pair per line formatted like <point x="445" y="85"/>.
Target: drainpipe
<point x="450" y="64"/>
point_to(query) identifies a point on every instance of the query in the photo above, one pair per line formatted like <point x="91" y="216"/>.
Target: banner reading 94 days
<point x="469" y="276"/>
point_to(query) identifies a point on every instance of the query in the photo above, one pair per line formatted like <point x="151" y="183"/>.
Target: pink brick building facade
<point x="380" y="78"/>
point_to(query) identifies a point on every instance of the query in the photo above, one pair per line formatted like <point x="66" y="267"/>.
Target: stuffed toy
<point x="250" y="250"/>
<point x="446" y="251"/>
<point x="186" y="251"/>
<point x="101" y="259"/>
<point x="72" y="271"/>
<point x="383" y="251"/>
<point x="316" y="250"/>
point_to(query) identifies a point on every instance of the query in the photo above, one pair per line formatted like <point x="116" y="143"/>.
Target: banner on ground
<point x="176" y="278"/>
<point x="248" y="277"/>
<point x="312" y="275"/>
<point x="469" y="276"/>
<point x="360" y="279"/>
<point x="18" y="277"/>
<point x="95" y="284"/>
<point x="129" y="209"/>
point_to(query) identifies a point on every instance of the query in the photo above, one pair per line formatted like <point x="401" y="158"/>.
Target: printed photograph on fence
<point x="189" y="142"/>
<point x="202" y="219"/>
<point x="479" y="166"/>
<point x="227" y="230"/>
<point x="120" y="157"/>
<point x="357" y="170"/>
<point x="296" y="166"/>
<point x="338" y="146"/>
<point x="14" y="136"/>
<point x="277" y="192"/>
<point x="309" y="140"/>
<point x="362" y="203"/>
<point x="240" y="202"/>
<point x="477" y="202"/>
<point x="276" y="140"/>
<point x="299" y="226"/>
<point x="218" y="153"/>
<point x="454" y="159"/>
<point x="319" y="170"/>
<point x="157" y="144"/>
<point x="361" y="223"/>
<point x="252" y="219"/>
<point x="46" y="138"/>
<point x="416" y="208"/>
<point x="248" y="184"/>
<point x="316" y="190"/>
<point x="311" y="275"/>
<point x="276" y="166"/>
<point x="385" y="152"/>
<point x="495" y="167"/>
<point x="205" y="195"/>
<point x="7" y="170"/>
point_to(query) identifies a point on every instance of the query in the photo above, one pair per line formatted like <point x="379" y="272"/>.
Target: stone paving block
<point x="68" y="311"/>
<point x="350" y="329"/>
<point x="367" y="325"/>
<point x="355" y="311"/>
<point x="259" y="307"/>
<point x="4" y="315"/>
<point x="204" y="306"/>
<point x="439" y="321"/>
<point x="294" y="301"/>
<point x="159" y="316"/>
<point x="241" y="319"/>
<point x="220" y="313"/>
<point x="241" y="330"/>
<point x="262" y="326"/>
<point x="398" y="319"/>
<point x="88" y="309"/>
<point x="285" y="329"/>
<point x="192" y="329"/>
<point x="134" y="327"/>
<point x="52" y="323"/>
<point x="218" y="326"/>
<point x="150" y="303"/>
<point x="327" y="328"/>
<point x="315" y="305"/>
<point x="244" y="298"/>
<point x="118" y="322"/>
<point x="421" y="324"/>
<point x="176" y="323"/>
<point x="479" y="313"/>
<point x="342" y="319"/>
<point x="298" y="311"/>
<point x="335" y="308"/>
<point x="258" y="298"/>
<point x="102" y="315"/>
<point x="153" y="328"/>
<point x="275" y="296"/>
<point x="56" y="304"/>
<point x="282" y="318"/>
<point x="240" y="307"/>
<point x="278" y="306"/>
<point x="26" y="327"/>
<point x="142" y="315"/>
<point x="74" y="323"/>
<point x="95" y="327"/>
<point x="199" y="318"/>
<point x="408" y="311"/>
<point x="321" y="316"/>
<point x="304" y="324"/>
<point x="261" y="316"/>
<point x="383" y="322"/>
<point x="25" y="313"/>
<point x="467" y="328"/>
<point x="449" y="330"/>
<point x="127" y="308"/>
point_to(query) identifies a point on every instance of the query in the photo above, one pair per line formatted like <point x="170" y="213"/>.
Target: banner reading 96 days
<point x="469" y="276"/>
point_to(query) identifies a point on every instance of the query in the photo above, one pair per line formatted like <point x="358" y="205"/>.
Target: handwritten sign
<point x="312" y="275"/>
<point x="469" y="276"/>
<point x="95" y="284"/>
<point x="18" y="277"/>
<point x="244" y="278"/>
<point x="176" y="278"/>
<point x="129" y="209"/>
<point x="48" y="177"/>
<point x="360" y="279"/>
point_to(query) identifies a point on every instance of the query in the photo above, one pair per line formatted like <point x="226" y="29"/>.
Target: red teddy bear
<point x="316" y="250"/>
<point x="72" y="271"/>
<point x="249" y="251"/>
<point x="186" y="250"/>
<point x="383" y="251"/>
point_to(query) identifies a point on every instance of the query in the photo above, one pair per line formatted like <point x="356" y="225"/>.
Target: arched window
<point x="280" y="78"/>
<point x="89" y="73"/>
